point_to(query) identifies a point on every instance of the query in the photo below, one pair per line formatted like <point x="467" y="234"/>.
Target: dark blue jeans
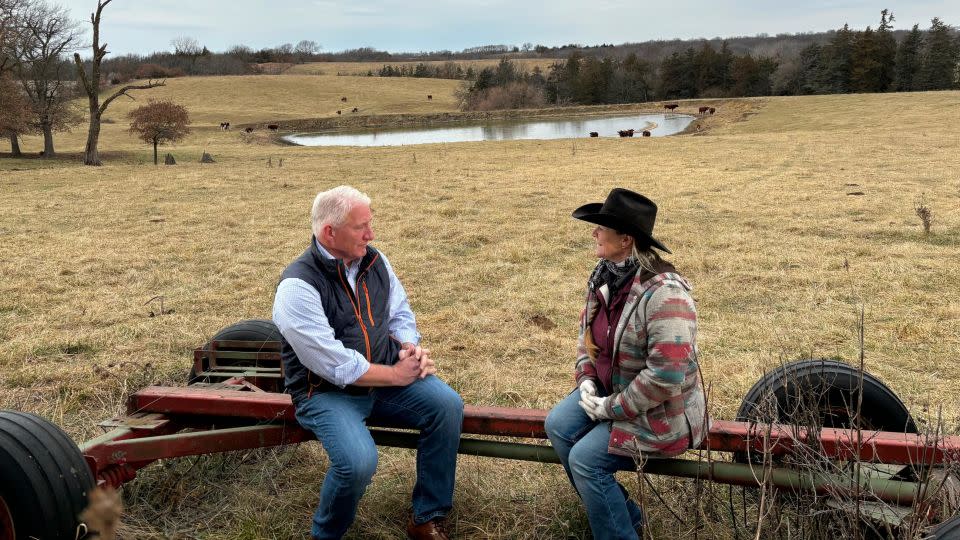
<point x="582" y="444"/>
<point x="338" y="420"/>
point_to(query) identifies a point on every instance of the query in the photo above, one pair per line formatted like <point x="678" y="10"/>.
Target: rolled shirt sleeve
<point x="403" y="324"/>
<point x="298" y="314"/>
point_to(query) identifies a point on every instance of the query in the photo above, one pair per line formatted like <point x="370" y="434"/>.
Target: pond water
<point x="568" y="128"/>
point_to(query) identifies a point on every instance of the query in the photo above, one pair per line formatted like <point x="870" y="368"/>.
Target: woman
<point x="639" y="389"/>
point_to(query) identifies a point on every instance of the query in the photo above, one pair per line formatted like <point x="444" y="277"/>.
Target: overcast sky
<point x="138" y="26"/>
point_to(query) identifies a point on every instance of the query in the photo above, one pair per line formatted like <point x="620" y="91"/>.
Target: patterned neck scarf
<point x="614" y="275"/>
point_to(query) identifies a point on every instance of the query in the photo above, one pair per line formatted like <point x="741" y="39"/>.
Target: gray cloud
<point x="412" y="25"/>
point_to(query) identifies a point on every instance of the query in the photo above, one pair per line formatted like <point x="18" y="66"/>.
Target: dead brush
<point x="924" y="212"/>
<point x="847" y="507"/>
<point x="178" y="497"/>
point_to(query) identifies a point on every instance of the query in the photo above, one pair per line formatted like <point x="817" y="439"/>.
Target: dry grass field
<point x="362" y="68"/>
<point x="760" y="210"/>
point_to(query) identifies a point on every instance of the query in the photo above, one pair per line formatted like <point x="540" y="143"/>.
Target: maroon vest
<point x="602" y="328"/>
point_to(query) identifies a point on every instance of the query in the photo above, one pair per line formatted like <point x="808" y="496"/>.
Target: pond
<point x="659" y="125"/>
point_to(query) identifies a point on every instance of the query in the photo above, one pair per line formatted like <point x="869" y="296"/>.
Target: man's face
<point x="349" y="240"/>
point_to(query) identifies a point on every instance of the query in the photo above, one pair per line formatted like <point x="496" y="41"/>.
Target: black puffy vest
<point x="359" y="320"/>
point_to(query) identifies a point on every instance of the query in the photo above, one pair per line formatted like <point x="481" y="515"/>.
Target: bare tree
<point x="46" y="35"/>
<point x="305" y="49"/>
<point x="9" y="29"/>
<point x="185" y="46"/>
<point x="91" y="85"/>
<point x="158" y="122"/>
<point x="188" y="47"/>
<point x="14" y="113"/>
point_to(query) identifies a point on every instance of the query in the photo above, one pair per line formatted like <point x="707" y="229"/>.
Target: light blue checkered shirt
<point x="298" y="313"/>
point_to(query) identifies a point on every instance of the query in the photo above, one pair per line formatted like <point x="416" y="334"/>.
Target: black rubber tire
<point x="248" y="330"/>
<point x="948" y="530"/>
<point x="44" y="480"/>
<point x="831" y="389"/>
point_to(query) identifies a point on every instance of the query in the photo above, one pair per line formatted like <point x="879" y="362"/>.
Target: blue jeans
<point x="338" y="420"/>
<point x="581" y="444"/>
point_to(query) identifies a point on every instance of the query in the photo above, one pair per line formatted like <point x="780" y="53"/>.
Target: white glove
<point x="587" y="388"/>
<point x="595" y="407"/>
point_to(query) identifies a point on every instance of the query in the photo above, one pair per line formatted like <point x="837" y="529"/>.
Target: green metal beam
<point x="724" y="472"/>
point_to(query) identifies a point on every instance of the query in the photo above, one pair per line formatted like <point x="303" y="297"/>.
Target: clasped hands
<point x="594" y="406"/>
<point x="414" y="362"/>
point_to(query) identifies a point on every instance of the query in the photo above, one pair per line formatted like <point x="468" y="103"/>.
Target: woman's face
<point x="612" y="245"/>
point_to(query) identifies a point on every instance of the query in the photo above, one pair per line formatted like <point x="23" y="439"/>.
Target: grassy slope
<point x="756" y="210"/>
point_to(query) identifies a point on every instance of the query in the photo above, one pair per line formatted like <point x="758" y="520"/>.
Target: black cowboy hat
<point x="627" y="212"/>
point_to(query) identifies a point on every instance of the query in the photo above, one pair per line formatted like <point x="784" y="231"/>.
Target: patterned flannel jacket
<point x="657" y="401"/>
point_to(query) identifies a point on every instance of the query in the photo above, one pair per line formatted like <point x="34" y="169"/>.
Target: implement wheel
<point x="248" y="330"/>
<point x="948" y="530"/>
<point x="823" y="393"/>
<point x="44" y="480"/>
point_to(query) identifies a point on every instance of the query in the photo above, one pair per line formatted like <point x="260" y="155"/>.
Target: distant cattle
<point x="671" y="106"/>
<point x="273" y="127"/>
<point x="429" y="96"/>
<point x="344" y="99"/>
<point x="712" y="110"/>
<point x="224" y="126"/>
<point x="625" y="133"/>
<point x="594" y="134"/>
<point x="248" y="130"/>
<point x="339" y="112"/>
<point x="702" y="110"/>
<point x="646" y="133"/>
<point x="355" y="110"/>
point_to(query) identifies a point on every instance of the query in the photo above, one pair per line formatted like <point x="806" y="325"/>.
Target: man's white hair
<point x="332" y="206"/>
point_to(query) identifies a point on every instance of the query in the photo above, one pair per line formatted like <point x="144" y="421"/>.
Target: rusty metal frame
<point x="723" y="435"/>
<point x="237" y="414"/>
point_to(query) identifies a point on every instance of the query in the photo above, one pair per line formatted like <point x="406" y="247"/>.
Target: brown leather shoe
<point x="431" y="530"/>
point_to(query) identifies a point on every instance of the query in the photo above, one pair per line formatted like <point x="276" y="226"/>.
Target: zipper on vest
<point x="366" y="292"/>
<point x="369" y="310"/>
<point x="356" y="310"/>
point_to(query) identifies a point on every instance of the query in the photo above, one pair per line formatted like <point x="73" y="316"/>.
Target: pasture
<point x="761" y="210"/>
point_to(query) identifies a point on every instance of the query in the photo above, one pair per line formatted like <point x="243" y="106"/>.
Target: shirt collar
<point x="326" y="254"/>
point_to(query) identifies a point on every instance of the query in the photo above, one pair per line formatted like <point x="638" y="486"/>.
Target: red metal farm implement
<point x="235" y="402"/>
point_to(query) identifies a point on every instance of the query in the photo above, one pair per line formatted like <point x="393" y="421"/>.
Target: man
<point x="350" y="352"/>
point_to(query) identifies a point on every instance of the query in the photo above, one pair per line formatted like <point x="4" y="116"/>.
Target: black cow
<point x="355" y="110"/>
<point x="671" y="106"/>
<point x="429" y="97"/>
<point x="594" y="134"/>
<point x="248" y="130"/>
<point x="273" y="127"/>
<point x="344" y="99"/>
<point x="646" y="133"/>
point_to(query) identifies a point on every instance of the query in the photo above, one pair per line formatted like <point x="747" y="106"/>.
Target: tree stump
<point x="169" y="160"/>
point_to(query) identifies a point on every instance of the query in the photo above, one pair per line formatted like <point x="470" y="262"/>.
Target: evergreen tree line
<point x="446" y="70"/>
<point x="851" y="61"/>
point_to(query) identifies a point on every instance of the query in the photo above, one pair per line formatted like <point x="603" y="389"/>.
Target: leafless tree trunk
<point x="46" y="127"/>
<point x="15" y="145"/>
<point x="91" y="86"/>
